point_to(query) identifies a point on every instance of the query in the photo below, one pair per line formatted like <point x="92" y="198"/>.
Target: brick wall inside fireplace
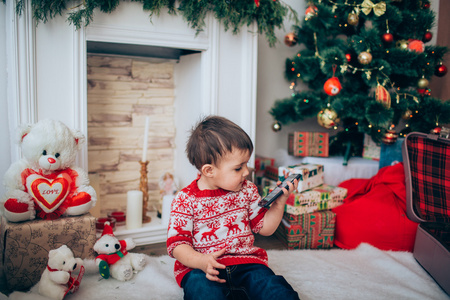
<point x="122" y="92"/>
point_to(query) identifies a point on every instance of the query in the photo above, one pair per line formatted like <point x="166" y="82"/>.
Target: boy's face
<point x="232" y="170"/>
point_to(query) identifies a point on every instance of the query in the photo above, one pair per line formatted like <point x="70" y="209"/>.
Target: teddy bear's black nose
<point x="117" y="246"/>
<point x="75" y="266"/>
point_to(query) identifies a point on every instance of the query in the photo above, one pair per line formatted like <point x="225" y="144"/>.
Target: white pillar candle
<point x="144" y="147"/>
<point x="134" y="209"/>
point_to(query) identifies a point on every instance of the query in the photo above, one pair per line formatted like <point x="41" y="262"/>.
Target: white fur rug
<point x="363" y="273"/>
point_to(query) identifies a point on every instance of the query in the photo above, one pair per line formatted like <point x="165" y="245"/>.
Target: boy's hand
<point x="286" y="192"/>
<point x="211" y="265"/>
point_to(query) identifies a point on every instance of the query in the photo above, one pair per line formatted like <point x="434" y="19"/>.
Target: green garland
<point x="233" y="14"/>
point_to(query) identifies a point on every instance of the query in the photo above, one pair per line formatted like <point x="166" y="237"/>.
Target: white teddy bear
<point x="45" y="182"/>
<point x="114" y="258"/>
<point x="56" y="280"/>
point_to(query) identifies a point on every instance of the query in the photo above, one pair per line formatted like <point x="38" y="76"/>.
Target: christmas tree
<point x="367" y="68"/>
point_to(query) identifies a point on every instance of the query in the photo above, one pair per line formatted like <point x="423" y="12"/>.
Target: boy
<point x="212" y="219"/>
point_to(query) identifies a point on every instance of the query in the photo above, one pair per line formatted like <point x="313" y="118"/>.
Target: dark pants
<point x="247" y="281"/>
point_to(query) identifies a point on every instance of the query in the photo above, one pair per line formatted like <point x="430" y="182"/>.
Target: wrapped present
<point x="26" y="245"/>
<point x="304" y="143"/>
<point x="262" y="162"/>
<point x="371" y="150"/>
<point x="312" y="175"/>
<point x="271" y="172"/>
<point x="308" y="231"/>
<point x="316" y="199"/>
<point x="267" y="186"/>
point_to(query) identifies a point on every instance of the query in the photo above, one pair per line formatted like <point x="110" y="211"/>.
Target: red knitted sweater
<point x="210" y="220"/>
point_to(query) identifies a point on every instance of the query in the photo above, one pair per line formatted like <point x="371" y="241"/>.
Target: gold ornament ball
<point x="327" y="118"/>
<point x="407" y="114"/>
<point x="402" y="44"/>
<point x="365" y="58"/>
<point x="276" y="126"/>
<point x="353" y="19"/>
<point x="422" y="83"/>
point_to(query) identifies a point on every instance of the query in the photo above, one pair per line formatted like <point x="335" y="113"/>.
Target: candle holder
<point x="143" y="186"/>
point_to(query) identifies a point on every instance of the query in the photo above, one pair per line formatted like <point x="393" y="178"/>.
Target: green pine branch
<point x="233" y="14"/>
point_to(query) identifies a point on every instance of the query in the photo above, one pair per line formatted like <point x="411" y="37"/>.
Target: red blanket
<point x="374" y="212"/>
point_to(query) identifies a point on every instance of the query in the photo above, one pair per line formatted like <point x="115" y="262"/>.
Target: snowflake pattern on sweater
<point x="210" y="220"/>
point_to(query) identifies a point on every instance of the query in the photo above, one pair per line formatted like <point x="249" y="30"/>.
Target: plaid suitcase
<point x="426" y="160"/>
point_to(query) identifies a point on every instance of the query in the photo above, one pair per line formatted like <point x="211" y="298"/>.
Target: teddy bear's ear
<point x="22" y="131"/>
<point x="79" y="138"/>
<point x="51" y="253"/>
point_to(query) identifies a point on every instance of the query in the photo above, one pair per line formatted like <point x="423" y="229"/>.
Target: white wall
<point x="272" y="86"/>
<point x="5" y="159"/>
<point x="187" y="74"/>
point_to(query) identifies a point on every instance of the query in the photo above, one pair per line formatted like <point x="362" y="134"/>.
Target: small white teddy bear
<point x="56" y="280"/>
<point x="45" y="183"/>
<point x="114" y="258"/>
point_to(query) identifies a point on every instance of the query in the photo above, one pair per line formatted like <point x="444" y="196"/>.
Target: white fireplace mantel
<point x="48" y="70"/>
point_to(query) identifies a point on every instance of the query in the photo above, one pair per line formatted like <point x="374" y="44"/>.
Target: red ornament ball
<point x="389" y="137"/>
<point x="310" y="12"/>
<point x="348" y="56"/>
<point x="427" y="5"/>
<point x="427" y="36"/>
<point x="387" y="38"/>
<point x="441" y="70"/>
<point x="416" y="45"/>
<point x="332" y="86"/>
<point x="291" y="39"/>
<point x="436" y="130"/>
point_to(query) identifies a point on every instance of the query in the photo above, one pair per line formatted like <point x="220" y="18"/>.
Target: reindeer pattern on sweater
<point x="210" y="220"/>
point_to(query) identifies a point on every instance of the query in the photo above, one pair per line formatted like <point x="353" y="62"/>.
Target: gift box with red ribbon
<point x="25" y="246"/>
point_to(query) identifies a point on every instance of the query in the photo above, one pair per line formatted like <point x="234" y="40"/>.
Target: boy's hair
<point x="213" y="137"/>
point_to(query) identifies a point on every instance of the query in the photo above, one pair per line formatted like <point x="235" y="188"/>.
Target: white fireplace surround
<point x="47" y="70"/>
